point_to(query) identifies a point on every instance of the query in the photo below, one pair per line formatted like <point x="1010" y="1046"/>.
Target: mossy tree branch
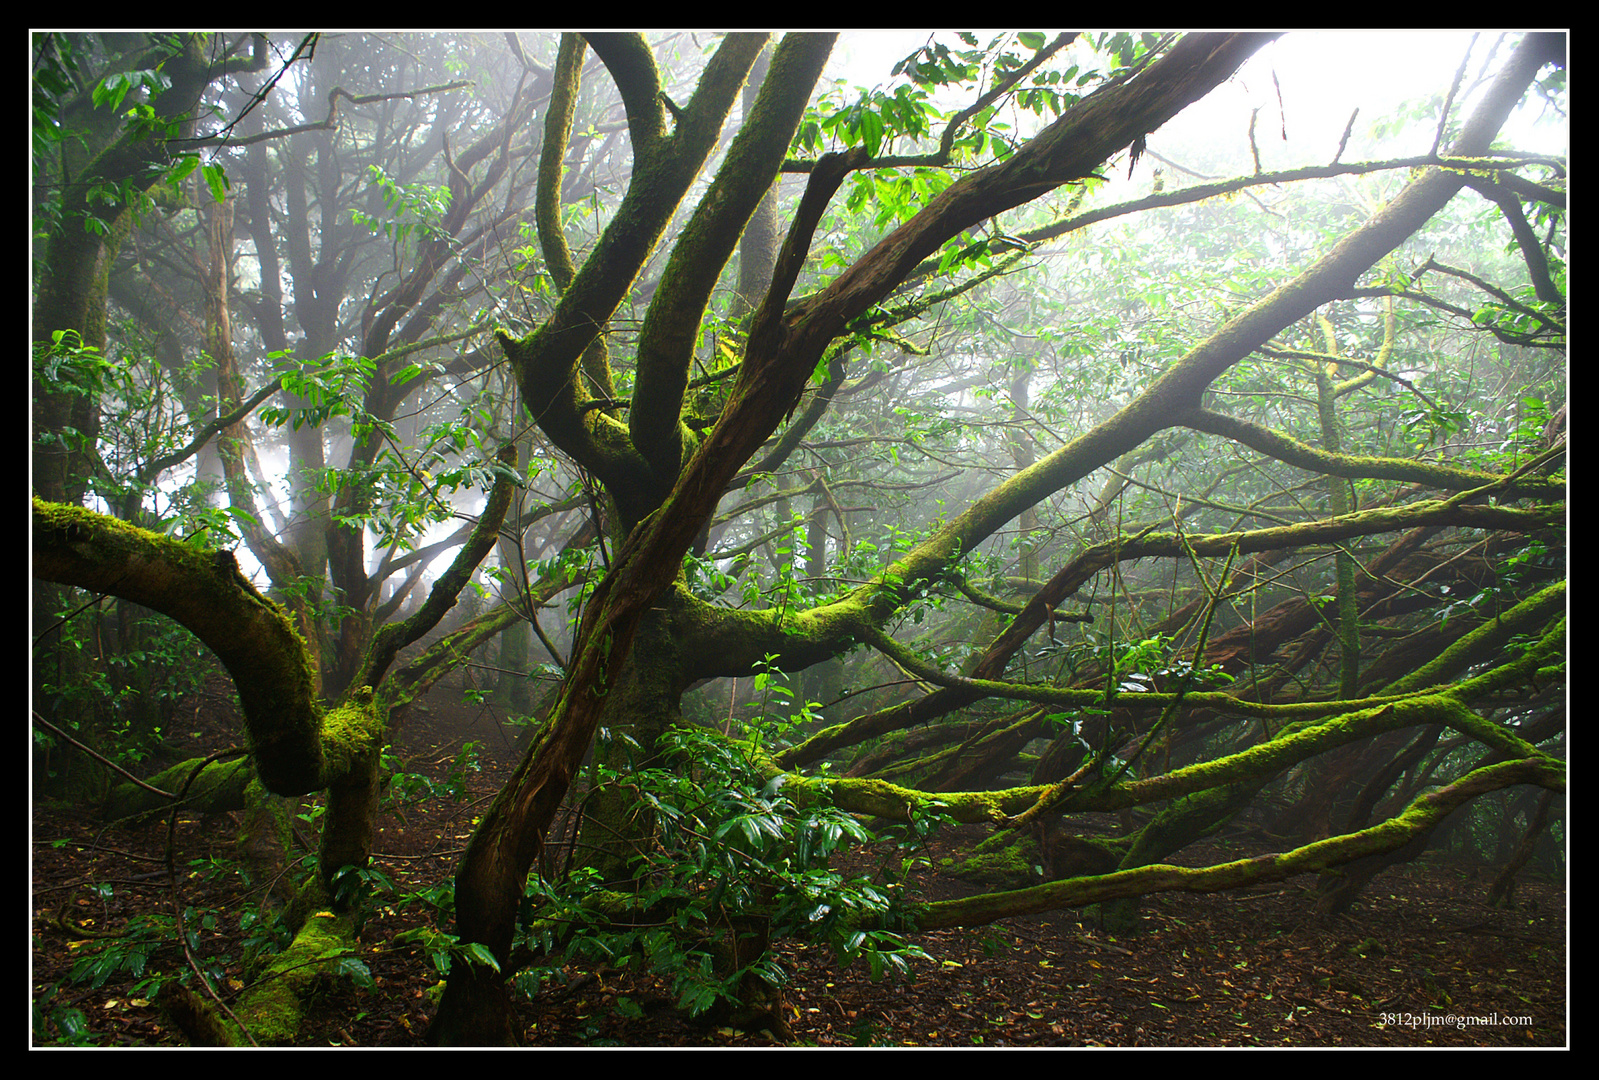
<point x="204" y="591"/>
<point x="673" y="322"/>
<point x="546" y="361"/>
<point x="1423" y="816"/>
<point x="1291" y="451"/>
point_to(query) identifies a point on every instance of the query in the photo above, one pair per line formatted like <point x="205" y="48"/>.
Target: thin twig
<point x="101" y="758"/>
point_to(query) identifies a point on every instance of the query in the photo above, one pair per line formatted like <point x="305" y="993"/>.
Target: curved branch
<point x="413" y="678"/>
<point x="207" y="594"/>
<point x="1532" y="252"/>
<point x="546" y="360"/>
<point x="329" y="122"/>
<point x="632" y="66"/>
<point x="153" y="469"/>
<point x="557" y="134"/>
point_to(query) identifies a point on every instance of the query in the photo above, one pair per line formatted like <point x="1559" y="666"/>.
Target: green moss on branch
<point x="204" y="591"/>
<point x="1419" y="819"/>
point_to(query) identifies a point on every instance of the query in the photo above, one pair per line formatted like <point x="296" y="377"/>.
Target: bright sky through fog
<point x="1323" y="75"/>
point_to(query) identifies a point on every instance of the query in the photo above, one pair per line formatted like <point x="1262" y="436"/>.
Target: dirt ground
<point x="1420" y="961"/>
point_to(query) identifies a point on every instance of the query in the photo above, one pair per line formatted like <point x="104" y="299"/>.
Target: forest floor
<point x="1420" y="960"/>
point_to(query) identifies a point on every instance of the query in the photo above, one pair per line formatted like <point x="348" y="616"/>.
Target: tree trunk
<point x="617" y="831"/>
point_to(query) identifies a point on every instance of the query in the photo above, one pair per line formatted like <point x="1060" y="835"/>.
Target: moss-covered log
<point x="221" y="786"/>
<point x="1254" y="765"/>
<point x="1051" y="853"/>
<point x="274" y="1006"/>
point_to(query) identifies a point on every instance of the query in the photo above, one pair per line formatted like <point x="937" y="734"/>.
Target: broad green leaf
<point x="871" y="131"/>
<point x="217" y="180"/>
<point x="481" y="953"/>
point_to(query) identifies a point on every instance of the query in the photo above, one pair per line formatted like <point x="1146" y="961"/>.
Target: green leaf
<point x="357" y="972"/>
<point x="185" y="165"/>
<point x="405" y="375"/>
<point x="481" y="953"/>
<point x="871" y="131"/>
<point x="217" y="180"/>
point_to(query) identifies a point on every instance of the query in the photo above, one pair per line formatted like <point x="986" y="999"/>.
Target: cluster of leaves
<point x="132" y="958"/>
<point x="437" y="905"/>
<point x="789" y="592"/>
<point x="734" y="851"/>
<point x="57" y="1024"/>
<point x="877" y="118"/>
<point x="409" y="789"/>
<point x="896" y="195"/>
<point x="120" y="699"/>
<point x="873" y="120"/>
<point x="406" y="487"/>
<point x="67" y="366"/>
<point x="576" y="565"/>
<point x="411" y="208"/>
<point x="334" y="386"/>
<point x="705" y="579"/>
<point x="1530" y="565"/>
<point x="1525" y="318"/>
<point x="141" y="420"/>
<point x="1045" y="91"/>
<point x="127" y="955"/>
<point x="60" y="68"/>
<point x="124" y="956"/>
<point x="215" y="177"/>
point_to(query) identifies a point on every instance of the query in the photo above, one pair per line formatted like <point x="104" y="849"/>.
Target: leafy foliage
<point x="736" y="856"/>
<point x="409" y="788"/>
<point x="417" y="208"/>
<point x="122" y="698"/>
<point x="56" y="1024"/>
